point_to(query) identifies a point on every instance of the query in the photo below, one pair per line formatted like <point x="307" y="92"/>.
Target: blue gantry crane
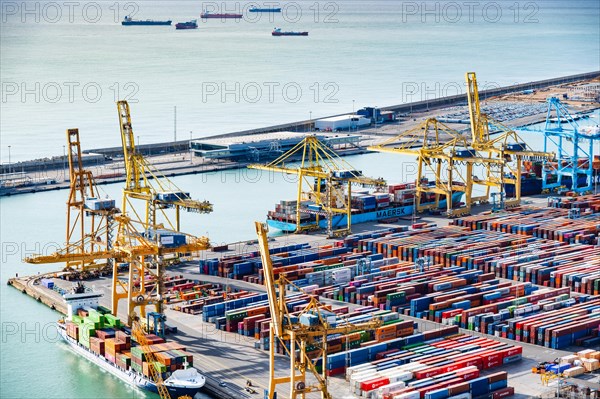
<point x="573" y="169"/>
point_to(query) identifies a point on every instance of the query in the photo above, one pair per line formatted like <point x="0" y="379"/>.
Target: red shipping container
<point x="374" y="384"/>
<point x="503" y="393"/>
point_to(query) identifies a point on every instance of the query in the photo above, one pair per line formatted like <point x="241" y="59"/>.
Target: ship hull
<point x="128" y="376"/>
<point x="377" y="215"/>
<point x="534" y="186"/>
<point x="184" y="27"/>
<point x="218" y="16"/>
<point x="289" y="33"/>
<point x="265" y="10"/>
<point x="146" y="23"/>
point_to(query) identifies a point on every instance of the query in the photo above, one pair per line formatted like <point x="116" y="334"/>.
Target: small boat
<point x="128" y="21"/>
<point x="256" y="9"/>
<point x="279" y="32"/>
<point x="208" y="14"/>
<point x="193" y="24"/>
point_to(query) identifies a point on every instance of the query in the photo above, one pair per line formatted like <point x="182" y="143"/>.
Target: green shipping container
<point x="103" y="310"/>
<point x="137" y="367"/>
<point x="112" y="321"/>
<point x="160" y="367"/>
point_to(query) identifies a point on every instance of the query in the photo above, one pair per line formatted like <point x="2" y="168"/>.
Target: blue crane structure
<point x="574" y="148"/>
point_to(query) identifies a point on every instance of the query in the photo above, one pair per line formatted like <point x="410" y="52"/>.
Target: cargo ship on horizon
<point x="128" y="21"/>
<point x="279" y="32"/>
<point x="366" y="207"/>
<point x="193" y="24"/>
<point x="256" y="9"/>
<point x="210" y="15"/>
<point x="93" y="333"/>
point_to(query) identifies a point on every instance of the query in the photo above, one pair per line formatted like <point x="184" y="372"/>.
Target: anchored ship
<point x="208" y="14"/>
<point x="99" y="337"/>
<point x="129" y="21"/>
<point x="279" y="32"/>
<point x="256" y="9"/>
<point x="366" y="207"/>
<point x="193" y="24"/>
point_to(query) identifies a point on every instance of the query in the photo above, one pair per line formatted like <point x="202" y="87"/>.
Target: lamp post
<point x="352" y="116"/>
<point x="9" y="163"/>
<point x="190" y="145"/>
<point x="64" y="162"/>
<point x="309" y="120"/>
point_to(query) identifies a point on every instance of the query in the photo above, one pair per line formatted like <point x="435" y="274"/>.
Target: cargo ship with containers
<point x="367" y="206"/>
<point x="98" y="336"/>
<point x="532" y="182"/>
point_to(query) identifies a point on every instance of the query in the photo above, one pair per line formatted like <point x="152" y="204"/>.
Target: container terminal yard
<point x="436" y="288"/>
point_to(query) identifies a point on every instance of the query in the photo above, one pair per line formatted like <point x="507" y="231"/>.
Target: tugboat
<point x="193" y="24"/>
<point x="128" y="21"/>
<point x="279" y="32"/>
<point x="256" y="9"/>
<point x="208" y="14"/>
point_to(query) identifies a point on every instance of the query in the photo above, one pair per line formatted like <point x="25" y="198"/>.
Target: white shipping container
<point x="408" y="395"/>
<point x="357" y="369"/>
<point x="389" y="388"/>
<point x="465" y="395"/>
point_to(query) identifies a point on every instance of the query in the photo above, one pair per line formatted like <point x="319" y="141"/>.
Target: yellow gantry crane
<point x="143" y="182"/>
<point x="138" y="254"/>
<point x="157" y="193"/>
<point x="88" y="215"/>
<point x="502" y="143"/>
<point x="284" y="328"/>
<point x="443" y="153"/>
<point x="324" y="180"/>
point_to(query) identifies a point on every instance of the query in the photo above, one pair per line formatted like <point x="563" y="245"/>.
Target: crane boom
<point x="274" y="303"/>
<point x="133" y="169"/>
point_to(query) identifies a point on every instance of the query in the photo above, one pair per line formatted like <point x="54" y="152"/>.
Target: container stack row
<point x="434" y="364"/>
<point x="546" y="262"/>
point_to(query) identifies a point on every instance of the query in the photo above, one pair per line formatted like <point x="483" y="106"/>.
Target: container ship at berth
<point x="366" y="207"/>
<point x="532" y="181"/>
<point x="92" y="332"/>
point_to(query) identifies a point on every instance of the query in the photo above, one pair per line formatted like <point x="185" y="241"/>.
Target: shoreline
<point x="107" y="163"/>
